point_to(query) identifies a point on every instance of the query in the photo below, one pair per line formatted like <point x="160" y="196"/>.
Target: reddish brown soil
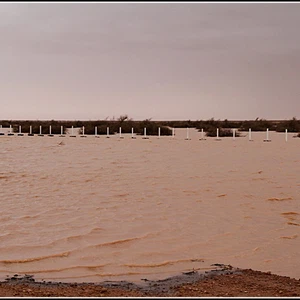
<point x="233" y="283"/>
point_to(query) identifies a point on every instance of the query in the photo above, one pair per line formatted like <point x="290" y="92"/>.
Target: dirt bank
<point x="225" y="281"/>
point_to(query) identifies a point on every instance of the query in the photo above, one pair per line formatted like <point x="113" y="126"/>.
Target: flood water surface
<point x="93" y="209"/>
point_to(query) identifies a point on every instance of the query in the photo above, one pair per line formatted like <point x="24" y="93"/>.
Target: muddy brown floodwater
<point x="97" y="209"/>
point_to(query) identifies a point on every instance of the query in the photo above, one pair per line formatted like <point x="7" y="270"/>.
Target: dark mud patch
<point x="146" y="287"/>
<point x="167" y="285"/>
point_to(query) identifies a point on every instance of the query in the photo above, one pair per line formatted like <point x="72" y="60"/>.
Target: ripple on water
<point x="92" y="210"/>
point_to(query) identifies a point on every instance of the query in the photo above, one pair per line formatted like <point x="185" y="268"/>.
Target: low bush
<point x="212" y="132"/>
<point x="292" y="125"/>
<point x="257" y="125"/>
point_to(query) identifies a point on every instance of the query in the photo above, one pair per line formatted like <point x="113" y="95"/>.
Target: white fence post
<point x="267" y="138"/>
<point x="61" y="131"/>
<point x="72" y="134"/>
<point x="187" y="134"/>
<point x="41" y="131"/>
<point x="218" y="139"/>
<point x="83" y="132"/>
<point x="133" y="137"/>
<point x="202" y="135"/>
<point x="145" y="134"/>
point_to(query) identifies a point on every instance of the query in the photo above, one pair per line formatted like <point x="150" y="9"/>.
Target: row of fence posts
<point x="132" y="133"/>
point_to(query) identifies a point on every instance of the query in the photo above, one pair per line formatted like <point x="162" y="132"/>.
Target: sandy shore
<point x="226" y="281"/>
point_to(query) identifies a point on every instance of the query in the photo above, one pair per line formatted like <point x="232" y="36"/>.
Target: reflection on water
<point x="122" y="209"/>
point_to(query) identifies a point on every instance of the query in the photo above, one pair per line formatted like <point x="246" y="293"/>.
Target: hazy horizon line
<point x="150" y="119"/>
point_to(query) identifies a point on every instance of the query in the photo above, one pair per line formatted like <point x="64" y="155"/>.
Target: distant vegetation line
<point x="126" y="123"/>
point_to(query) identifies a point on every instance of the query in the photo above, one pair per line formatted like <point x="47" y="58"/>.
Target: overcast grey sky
<point x="163" y="61"/>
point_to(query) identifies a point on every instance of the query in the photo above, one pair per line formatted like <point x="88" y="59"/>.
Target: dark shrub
<point x="257" y="125"/>
<point x="292" y="125"/>
<point x="212" y="132"/>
